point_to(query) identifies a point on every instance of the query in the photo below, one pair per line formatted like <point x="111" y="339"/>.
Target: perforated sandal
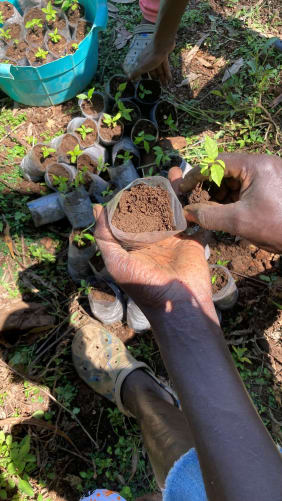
<point x="142" y="36"/>
<point x="103" y="362"/>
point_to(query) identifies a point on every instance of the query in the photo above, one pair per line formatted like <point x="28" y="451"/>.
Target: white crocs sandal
<point x="142" y="36"/>
<point x="103" y="362"/>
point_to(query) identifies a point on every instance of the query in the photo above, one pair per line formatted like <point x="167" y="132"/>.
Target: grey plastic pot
<point x="95" y="95"/>
<point x="153" y="86"/>
<point x="77" y="122"/>
<point x="106" y="311"/>
<point x="227" y="297"/>
<point x="78" y="260"/>
<point x="136" y="113"/>
<point x="31" y="168"/>
<point x="70" y="173"/>
<point x="97" y="187"/>
<point x="78" y="208"/>
<point x="45" y="210"/>
<point x="170" y="110"/>
<point x="135" y="318"/>
<point x="129" y="92"/>
<point x="125" y="144"/>
<point x="139" y="125"/>
<point x="123" y="175"/>
<point x="102" y="139"/>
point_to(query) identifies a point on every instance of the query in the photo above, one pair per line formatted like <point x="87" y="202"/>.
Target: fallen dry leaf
<point x="122" y="36"/>
<point x="204" y="62"/>
<point x="194" y="50"/>
<point x="233" y="69"/>
<point x="189" y="79"/>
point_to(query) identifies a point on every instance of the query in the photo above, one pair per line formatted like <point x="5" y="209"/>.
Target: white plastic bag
<point x="135" y="318"/>
<point x="108" y="312"/>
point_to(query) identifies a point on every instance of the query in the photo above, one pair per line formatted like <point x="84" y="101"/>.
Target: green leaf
<point x="39" y="497"/>
<point x="25" y="487"/>
<point x="216" y="93"/>
<point x="205" y="171"/>
<point x="217" y="173"/>
<point x="265" y="278"/>
<point x="11" y="469"/>
<point x="2" y="436"/>
<point x="211" y="147"/>
<point x="82" y="96"/>
<point x="38" y="414"/>
<point x="24" y="446"/>
<point x="279" y="306"/>
<point x="3" y="494"/>
<point x="9" y="440"/>
<point x="11" y="483"/>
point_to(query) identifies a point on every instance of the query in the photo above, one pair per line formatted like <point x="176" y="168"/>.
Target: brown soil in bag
<point x="129" y="90"/>
<point x="60" y="24"/>
<point x="70" y="48"/>
<point x="198" y="195"/>
<point x="58" y="48"/>
<point x="37" y="61"/>
<point x="7" y="10"/>
<point x="94" y="106"/>
<point x="17" y="51"/>
<point x="84" y="160"/>
<point x="83" y="28"/>
<point x="75" y="15"/>
<point x="34" y="13"/>
<point x="148" y="128"/>
<point x="102" y="292"/>
<point x="15" y="31"/>
<point x="51" y="159"/>
<point x="142" y="209"/>
<point x="91" y="137"/>
<point x="110" y="133"/>
<point x="68" y="143"/>
<point x="58" y="170"/>
<point x="35" y="36"/>
<point x="220" y="282"/>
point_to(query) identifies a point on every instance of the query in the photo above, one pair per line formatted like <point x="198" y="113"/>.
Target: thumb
<point x="213" y="216"/>
<point x="175" y="178"/>
<point x="112" y="252"/>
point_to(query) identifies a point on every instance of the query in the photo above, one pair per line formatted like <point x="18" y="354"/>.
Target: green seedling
<point x="61" y="182"/>
<point x="16" y="41"/>
<point x="143" y="92"/>
<point x="107" y="192"/>
<point x="170" y="123"/>
<point x="50" y="12"/>
<point x="125" y="157"/>
<point x="121" y="89"/>
<point x="55" y="36"/>
<point x="1" y="18"/>
<point x="74" y="153"/>
<point x="34" y="23"/>
<point x="70" y="4"/>
<point x="46" y="152"/>
<point x="110" y="121"/>
<point x="161" y="157"/>
<point x="5" y="34"/>
<point x="80" y="238"/>
<point x="80" y="178"/>
<point x="89" y="94"/>
<point x="144" y="139"/>
<point x="41" y="54"/>
<point x="83" y="131"/>
<point x="213" y="279"/>
<point x="222" y="263"/>
<point x="75" y="46"/>
<point x="212" y="167"/>
<point x="125" y="112"/>
<point x="101" y="167"/>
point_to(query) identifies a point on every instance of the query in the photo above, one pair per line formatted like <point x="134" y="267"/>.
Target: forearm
<point x="168" y="20"/>
<point x="238" y="458"/>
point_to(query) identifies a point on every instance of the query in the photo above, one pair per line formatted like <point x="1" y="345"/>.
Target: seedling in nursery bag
<point x="212" y="167"/>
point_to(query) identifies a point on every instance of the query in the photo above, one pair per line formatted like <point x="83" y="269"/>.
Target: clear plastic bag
<point x="227" y="297"/>
<point x="78" y="260"/>
<point x="77" y="122"/>
<point x="123" y="175"/>
<point x="8" y="26"/>
<point x="96" y="96"/>
<point x="45" y="210"/>
<point x="138" y="240"/>
<point x="16" y="17"/>
<point x="78" y="208"/>
<point x="31" y="168"/>
<point x="135" y="318"/>
<point x="108" y="312"/>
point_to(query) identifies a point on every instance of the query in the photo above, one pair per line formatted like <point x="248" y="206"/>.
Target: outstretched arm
<point x="170" y="282"/>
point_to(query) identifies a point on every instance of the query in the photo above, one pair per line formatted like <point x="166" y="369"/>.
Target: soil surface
<point x="15" y="31"/>
<point x="70" y="48"/>
<point x="51" y="159"/>
<point x="91" y="137"/>
<point x="198" y="195"/>
<point x="150" y="85"/>
<point x="144" y="125"/>
<point x="163" y="111"/>
<point x="109" y="134"/>
<point x="60" y="24"/>
<point x="94" y="106"/>
<point x="17" y="51"/>
<point x="74" y="15"/>
<point x="129" y="90"/>
<point x="144" y="209"/>
<point x="37" y="61"/>
<point x="34" y="13"/>
<point x="58" y="48"/>
<point x="7" y="10"/>
<point x="84" y="160"/>
<point x="220" y="282"/>
<point x="58" y="170"/>
<point x="68" y="143"/>
<point x="103" y="292"/>
<point x="82" y="29"/>
<point x="35" y="36"/>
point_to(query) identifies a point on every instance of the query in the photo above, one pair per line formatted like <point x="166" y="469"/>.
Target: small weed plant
<point x="51" y="13"/>
<point x="79" y="178"/>
<point x="46" y="152"/>
<point x="125" y="157"/>
<point x="121" y="89"/>
<point x="70" y="4"/>
<point x="110" y="121"/>
<point x="89" y="94"/>
<point x="5" y="34"/>
<point x="33" y="24"/>
<point x="55" y="36"/>
<point x="61" y="183"/>
<point x="83" y="131"/>
<point x="74" y="46"/>
<point x="143" y="92"/>
<point x="81" y="238"/>
<point x="74" y="153"/>
<point x="1" y="18"/>
<point x="212" y="167"/>
<point x="124" y="111"/>
<point x="161" y="157"/>
<point x="107" y="192"/>
<point x="170" y="123"/>
<point x="102" y="167"/>
<point x="143" y="140"/>
<point x="41" y="54"/>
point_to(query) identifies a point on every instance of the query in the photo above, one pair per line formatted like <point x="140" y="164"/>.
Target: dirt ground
<point x="79" y="439"/>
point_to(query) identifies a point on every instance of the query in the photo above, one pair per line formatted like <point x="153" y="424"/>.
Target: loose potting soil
<point x="51" y="159"/>
<point x="110" y="133"/>
<point x="7" y="10"/>
<point x="220" y="282"/>
<point x="91" y="137"/>
<point x="59" y="171"/>
<point x="74" y="15"/>
<point x="68" y="143"/>
<point x="35" y="36"/>
<point x="17" y="51"/>
<point x="198" y="195"/>
<point x="15" y="31"/>
<point x="102" y="292"/>
<point x="93" y="106"/>
<point x="83" y="28"/>
<point x="144" y="208"/>
<point x="34" y="13"/>
<point x="58" y="48"/>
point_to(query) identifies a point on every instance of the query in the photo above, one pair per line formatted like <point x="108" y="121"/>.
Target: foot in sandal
<point x="103" y="362"/>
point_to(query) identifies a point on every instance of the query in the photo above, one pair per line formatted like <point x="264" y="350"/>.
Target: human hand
<point x="160" y="277"/>
<point x="255" y="185"/>
<point x="153" y="60"/>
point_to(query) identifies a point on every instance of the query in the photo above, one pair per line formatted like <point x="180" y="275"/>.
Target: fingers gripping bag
<point x="136" y="240"/>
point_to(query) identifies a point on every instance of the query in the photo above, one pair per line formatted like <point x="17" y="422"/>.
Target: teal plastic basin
<point x="60" y="80"/>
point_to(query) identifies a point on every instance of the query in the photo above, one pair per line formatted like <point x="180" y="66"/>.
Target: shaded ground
<point x="240" y="114"/>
